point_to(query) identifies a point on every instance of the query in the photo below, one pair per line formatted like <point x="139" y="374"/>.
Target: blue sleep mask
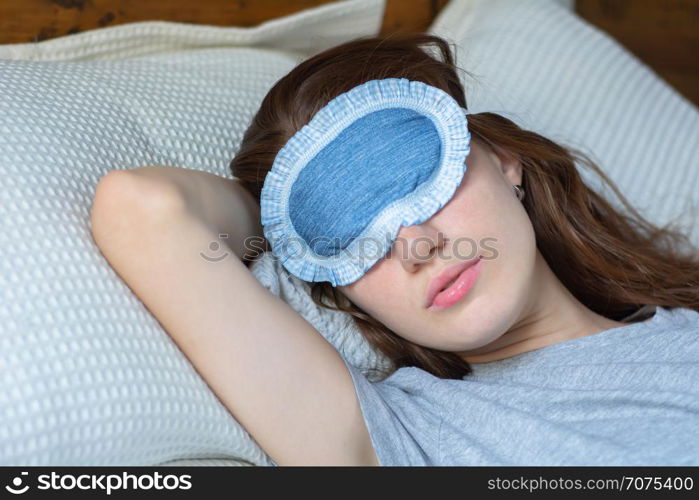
<point x="385" y="154"/>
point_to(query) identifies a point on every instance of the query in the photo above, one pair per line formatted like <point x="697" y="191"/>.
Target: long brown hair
<point x="612" y="262"/>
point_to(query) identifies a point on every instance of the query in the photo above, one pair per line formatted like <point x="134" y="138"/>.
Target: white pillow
<point x="305" y="32"/>
<point x="548" y="70"/>
<point x="87" y="374"/>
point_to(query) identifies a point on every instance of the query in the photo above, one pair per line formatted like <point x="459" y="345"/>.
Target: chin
<point x="480" y="337"/>
<point x="459" y="346"/>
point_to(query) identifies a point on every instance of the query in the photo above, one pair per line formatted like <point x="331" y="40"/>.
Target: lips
<point x="446" y="278"/>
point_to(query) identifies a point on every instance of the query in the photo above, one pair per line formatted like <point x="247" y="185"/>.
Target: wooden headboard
<point x="665" y="35"/>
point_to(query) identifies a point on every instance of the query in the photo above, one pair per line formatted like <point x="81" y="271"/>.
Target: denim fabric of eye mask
<point x="369" y="171"/>
<point x="385" y="154"/>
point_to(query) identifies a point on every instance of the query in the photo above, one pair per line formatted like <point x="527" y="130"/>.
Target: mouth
<point x="452" y="284"/>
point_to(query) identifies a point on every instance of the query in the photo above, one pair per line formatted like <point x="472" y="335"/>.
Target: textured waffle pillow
<point x="542" y="66"/>
<point x="87" y="374"/>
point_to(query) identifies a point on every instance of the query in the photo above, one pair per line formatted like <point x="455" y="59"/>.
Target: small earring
<point x="519" y="191"/>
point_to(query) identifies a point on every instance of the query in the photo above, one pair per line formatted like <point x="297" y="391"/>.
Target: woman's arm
<point x="222" y="204"/>
<point x="273" y="371"/>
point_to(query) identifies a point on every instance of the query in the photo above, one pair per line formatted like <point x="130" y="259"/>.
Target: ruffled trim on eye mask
<point x="350" y="264"/>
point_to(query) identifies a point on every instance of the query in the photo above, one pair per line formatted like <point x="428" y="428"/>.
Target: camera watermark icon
<point x="215" y="246"/>
<point x="16" y="488"/>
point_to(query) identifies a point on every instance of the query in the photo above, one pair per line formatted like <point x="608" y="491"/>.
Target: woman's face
<point x="484" y="217"/>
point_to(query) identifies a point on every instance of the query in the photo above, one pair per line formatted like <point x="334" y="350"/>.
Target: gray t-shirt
<point x="624" y="396"/>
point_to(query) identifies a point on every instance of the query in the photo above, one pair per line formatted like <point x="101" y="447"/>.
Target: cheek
<point x="380" y="294"/>
<point x="515" y="233"/>
<point x="493" y="224"/>
<point x="489" y="215"/>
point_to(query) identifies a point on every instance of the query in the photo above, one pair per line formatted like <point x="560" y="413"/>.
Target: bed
<point x="87" y="375"/>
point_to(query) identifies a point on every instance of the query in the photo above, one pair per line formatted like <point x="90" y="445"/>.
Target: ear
<point x="510" y="165"/>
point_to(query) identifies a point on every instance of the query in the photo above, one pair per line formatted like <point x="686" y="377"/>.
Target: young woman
<point x="576" y="344"/>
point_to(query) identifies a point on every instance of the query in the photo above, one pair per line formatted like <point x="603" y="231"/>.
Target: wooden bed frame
<point x="663" y="34"/>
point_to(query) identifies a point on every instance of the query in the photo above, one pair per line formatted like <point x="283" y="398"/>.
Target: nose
<point x="417" y="246"/>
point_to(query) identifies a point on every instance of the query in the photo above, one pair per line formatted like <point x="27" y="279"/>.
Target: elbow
<point x="124" y="202"/>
